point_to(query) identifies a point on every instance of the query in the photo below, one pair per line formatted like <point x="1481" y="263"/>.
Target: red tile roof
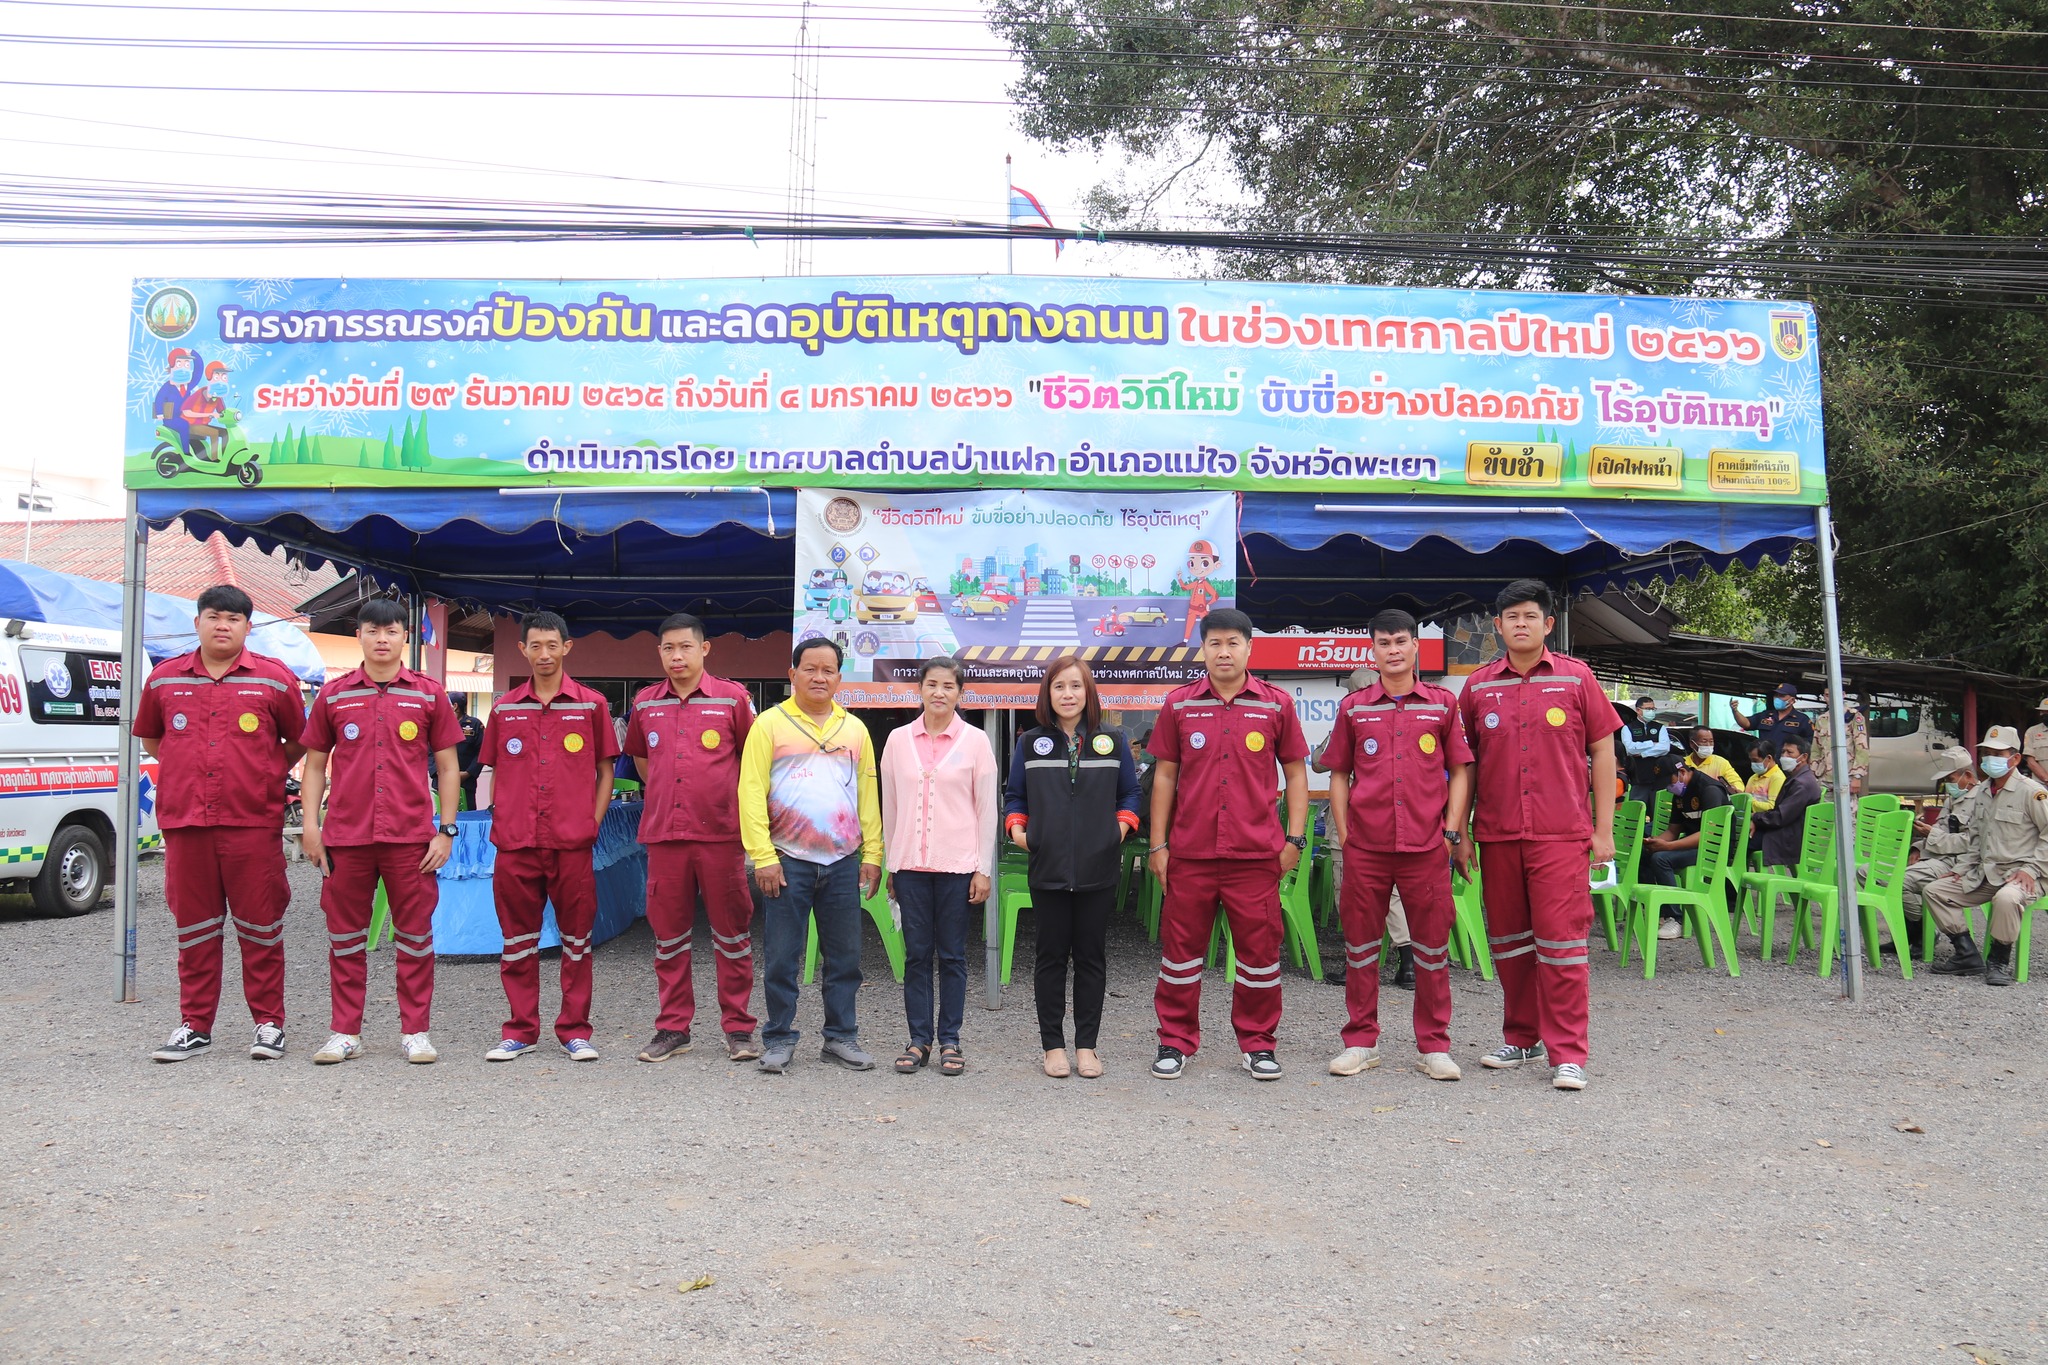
<point x="178" y="564"/>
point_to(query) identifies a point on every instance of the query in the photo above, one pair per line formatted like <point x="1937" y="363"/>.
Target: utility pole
<point x="802" y="203"/>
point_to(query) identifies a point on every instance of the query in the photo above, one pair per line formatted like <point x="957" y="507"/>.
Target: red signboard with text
<point x="1332" y="653"/>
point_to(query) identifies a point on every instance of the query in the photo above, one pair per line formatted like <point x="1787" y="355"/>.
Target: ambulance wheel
<point x="73" y="876"/>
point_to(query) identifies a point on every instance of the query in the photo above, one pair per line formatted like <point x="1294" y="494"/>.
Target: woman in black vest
<point x="1072" y="799"/>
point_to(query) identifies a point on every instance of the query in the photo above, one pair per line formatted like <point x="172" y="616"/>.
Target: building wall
<point x="607" y="656"/>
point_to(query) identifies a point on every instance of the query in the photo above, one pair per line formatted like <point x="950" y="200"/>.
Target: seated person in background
<point x="1765" y="776"/>
<point x="1941" y="837"/>
<point x="1694" y="792"/>
<point x="1779" y="829"/>
<point x="1702" y="758"/>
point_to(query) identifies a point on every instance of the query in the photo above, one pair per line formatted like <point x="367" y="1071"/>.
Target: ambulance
<point x="60" y="711"/>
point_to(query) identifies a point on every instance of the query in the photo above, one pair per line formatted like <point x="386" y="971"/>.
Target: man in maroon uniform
<point x="1217" y="742"/>
<point x="685" y="736"/>
<point x="372" y="734"/>
<point x="224" y="726"/>
<point x="1400" y="787"/>
<point x="550" y="743"/>
<point x="1534" y="718"/>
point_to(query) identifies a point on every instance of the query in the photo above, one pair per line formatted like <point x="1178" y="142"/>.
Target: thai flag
<point x="1025" y="208"/>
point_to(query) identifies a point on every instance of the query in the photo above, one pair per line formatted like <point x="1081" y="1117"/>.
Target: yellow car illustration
<point x="885" y="607"/>
<point x="978" y="606"/>
<point x="1145" y="616"/>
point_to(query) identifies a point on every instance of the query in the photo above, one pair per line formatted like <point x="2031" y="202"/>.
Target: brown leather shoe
<point x="742" y="1047"/>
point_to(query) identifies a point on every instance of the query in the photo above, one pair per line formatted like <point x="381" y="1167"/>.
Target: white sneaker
<point x="1353" y="1060"/>
<point x="1669" y="929"/>
<point x="508" y="1050"/>
<point x="341" y="1047"/>
<point x="1438" y="1066"/>
<point x="1569" y="1076"/>
<point x="418" y="1048"/>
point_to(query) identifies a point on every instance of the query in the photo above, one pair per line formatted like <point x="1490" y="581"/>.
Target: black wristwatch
<point x="451" y="830"/>
<point x="1300" y="841"/>
<point x="1453" y="838"/>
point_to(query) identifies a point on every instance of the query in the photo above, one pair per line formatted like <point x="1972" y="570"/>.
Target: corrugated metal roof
<point x="178" y="563"/>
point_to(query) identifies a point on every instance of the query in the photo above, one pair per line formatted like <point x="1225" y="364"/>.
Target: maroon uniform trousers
<point x="676" y="871"/>
<point x="1249" y="890"/>
<point x="1539" y="919"/>
<point x="348" y="895"/>
<point x="522" y="883"/>
<point x="215" y="875"/>
<point x="1424" y="880"/>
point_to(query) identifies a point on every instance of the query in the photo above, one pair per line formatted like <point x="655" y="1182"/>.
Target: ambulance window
<point x="1893" y="722"/>
<point x="67" y="687"/>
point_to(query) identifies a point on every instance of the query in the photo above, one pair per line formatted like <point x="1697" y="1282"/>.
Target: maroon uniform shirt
<point x="545" y="762"/>
<point x="692" y="748"/>
<point x="220" y="744"/>
<point x="382" y="739"/>
<point x="1399" y="752"/>
<point x="1529" y="733"/>
<point x="1224" y="797"/>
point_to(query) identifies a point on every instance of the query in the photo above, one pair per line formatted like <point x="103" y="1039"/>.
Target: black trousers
<point x="1072" y="925"/>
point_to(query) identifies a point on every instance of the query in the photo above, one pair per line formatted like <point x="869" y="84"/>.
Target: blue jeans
<point x="831" y="892"/>
<point x="1665" y="866"/>
<point x="934" y="906"/>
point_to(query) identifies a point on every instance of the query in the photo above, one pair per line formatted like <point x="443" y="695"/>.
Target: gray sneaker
<point x="846" y="1051"/>
<point x="1507" y="1056"/>
<point x="776" y="1059"/>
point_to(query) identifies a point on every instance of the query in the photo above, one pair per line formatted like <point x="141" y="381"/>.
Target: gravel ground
<point x="1733" y="1186"/>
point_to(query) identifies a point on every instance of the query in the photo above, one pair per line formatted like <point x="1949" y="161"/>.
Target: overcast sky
<point x="78" y="108"/>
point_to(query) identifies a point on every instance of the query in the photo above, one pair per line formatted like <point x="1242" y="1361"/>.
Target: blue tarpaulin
<point x="28" y="593"/>
<point x="620" y="560"/>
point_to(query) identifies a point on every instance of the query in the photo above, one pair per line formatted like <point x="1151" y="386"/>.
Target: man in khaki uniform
<point x="2036" y="744"/>
<point x="1944" y="838"/>
<point x="2005" y="864"/>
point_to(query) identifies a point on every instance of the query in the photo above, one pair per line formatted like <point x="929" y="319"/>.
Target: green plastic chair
<point x="2023" y="945"/>
<point x="1869" y="810"/>
<point x="1660" y="814"/>
<point x="877" y="907"/>
<point x="1468" y="925"/>
<point x="1297" y="923"/>
<point x="1882" y="894"/>
<point x="1700" y="897"/>
<point x="1738" y="861"/>
<point x="380" y="919"/>
<point x="1886" y="829"/>
<point x="1817" y="858"/>
<point x="1322" y="887"/>
<point x="1628" y="848"/>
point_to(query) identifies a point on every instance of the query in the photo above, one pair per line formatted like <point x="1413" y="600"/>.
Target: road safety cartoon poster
<point x="1009" y="581"/>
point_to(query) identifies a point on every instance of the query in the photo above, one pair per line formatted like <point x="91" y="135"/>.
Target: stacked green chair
<point x="1817" y="862"/>
<point x="877" y="907"/>
<point x="1628" y="847"/>
<point x="1882" y="894"/>
<point x="1885" y="830"/>
<point x="1297" y="923"/>
<point x="1699" y="896"/>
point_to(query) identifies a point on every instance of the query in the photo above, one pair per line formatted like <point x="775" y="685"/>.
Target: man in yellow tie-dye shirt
<point x="811" y="819"/>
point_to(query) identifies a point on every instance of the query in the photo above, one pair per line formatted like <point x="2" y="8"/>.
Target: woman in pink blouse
<point x="939" y="806"/>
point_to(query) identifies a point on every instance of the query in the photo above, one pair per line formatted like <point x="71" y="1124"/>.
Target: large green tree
<point x="1885" y="159"/>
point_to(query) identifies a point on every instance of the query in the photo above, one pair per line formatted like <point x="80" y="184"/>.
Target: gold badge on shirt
<point x="408" y="730"/>
<point x="711" y="739"/>
<point x="1255" y="741"/>
<point x="573" y="743"/>
<point x="1103" y="744"/>
<point x="1555" y="715"/>
<point x="1428" y="743"/>
<point x="249" y="722"/>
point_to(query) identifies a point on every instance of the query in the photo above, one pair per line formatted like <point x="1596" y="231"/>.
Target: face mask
<point x="1995" y="768"/>
<point x="1759" y="767"/>
<point x="1781" y="702"/>
<point x="1679" y="788"/>
<point x="1704" y="751"/>
<point x="1789" y="764"/>
<point x="1951" y="790"/>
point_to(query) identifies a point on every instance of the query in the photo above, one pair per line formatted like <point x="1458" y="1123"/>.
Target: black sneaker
<point x="1171" y="1060"/>
<point x="268" y="1044"/>
<point x="184" y="1042"/>
<point x="1264" y="1066"/>
<point x="1507" y="1056"/>
<point x="666" y="1043"/>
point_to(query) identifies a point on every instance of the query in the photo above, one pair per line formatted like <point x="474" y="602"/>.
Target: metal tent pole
<point x="992" y="910"/>
<point x="134" y="674"/>
<point x="1838" y="734"/>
